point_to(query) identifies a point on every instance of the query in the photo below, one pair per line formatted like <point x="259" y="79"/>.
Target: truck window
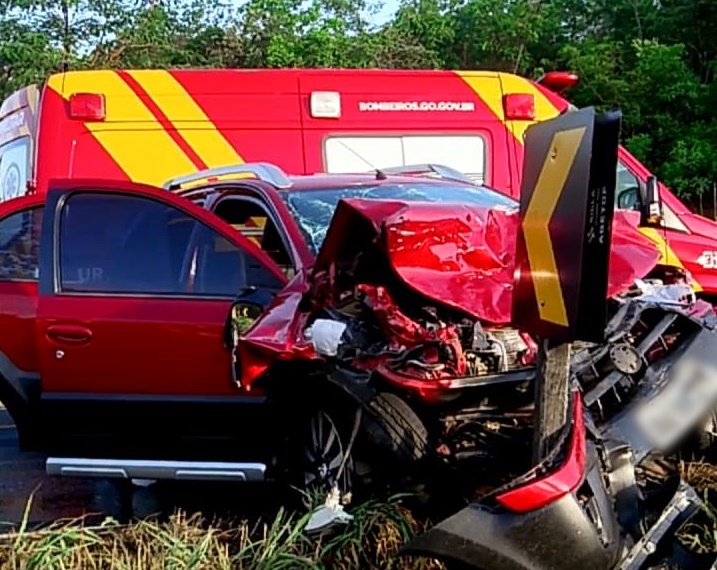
<point x="19" y="245"/>
<point x="627" y="189"/>
<point x="351" y="154"/>
<point x="122" y="244"/>
<point x="14" y="157"/>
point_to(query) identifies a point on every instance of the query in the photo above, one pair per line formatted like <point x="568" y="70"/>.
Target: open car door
<point x="135" y="288"/>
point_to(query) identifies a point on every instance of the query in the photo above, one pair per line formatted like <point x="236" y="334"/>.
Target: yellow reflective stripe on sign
<point x="543" y="268"/>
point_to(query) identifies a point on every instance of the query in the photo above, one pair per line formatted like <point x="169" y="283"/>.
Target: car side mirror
<point x="247" y="307"/>
<point x="652" y="204"/>
<point x="243" y="315"/>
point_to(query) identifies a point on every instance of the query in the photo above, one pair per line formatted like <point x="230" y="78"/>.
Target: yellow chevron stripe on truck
<point x="190" y="121"/>
<point x="491" y="93"/>
<point x="157" y="159"/>
<point x="668" y="258"/>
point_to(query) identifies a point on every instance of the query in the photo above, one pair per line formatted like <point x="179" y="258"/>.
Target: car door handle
<point x="69" y="334"/>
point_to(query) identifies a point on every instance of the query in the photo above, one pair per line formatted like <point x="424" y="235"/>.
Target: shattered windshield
<point x="313" y="209"/>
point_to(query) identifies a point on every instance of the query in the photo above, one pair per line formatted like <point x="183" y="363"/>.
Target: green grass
<point x="185" y="542"/>
<point x="193" y="543"/>
<point x="699" y="534"/>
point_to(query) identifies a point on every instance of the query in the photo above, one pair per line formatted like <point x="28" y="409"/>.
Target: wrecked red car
<point x="132" y="322"/>
<point x="147" y="338"/>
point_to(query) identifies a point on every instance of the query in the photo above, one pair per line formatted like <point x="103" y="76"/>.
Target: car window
<point x="254" y="223"/>
<point x="20" y="245"/>
<point x="465" y="153"/>
<point x="123" y="244"/>
<point x="313" y="209"/>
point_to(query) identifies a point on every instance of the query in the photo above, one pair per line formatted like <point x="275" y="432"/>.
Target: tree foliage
<point x="654" y="59"/>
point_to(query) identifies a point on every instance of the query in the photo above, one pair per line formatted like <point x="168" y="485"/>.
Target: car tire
<point x="111" y="497"/>
<point x="324" y="424"/>
<point x="392" y="426"/>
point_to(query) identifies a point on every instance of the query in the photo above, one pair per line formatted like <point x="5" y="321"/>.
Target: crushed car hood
<point x="457" y="255"/>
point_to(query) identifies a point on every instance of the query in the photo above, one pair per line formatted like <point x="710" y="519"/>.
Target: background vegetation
<point x="653" y="58"/>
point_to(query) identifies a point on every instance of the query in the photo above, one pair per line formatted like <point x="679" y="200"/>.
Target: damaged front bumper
<point x="594" y="524"/>
<point x="562" y="535"/>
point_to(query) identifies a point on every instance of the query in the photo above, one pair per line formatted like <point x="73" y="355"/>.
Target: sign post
<point x="563" y="250"/>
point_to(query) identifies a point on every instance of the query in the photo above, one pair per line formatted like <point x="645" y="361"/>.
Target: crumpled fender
<point x="277" y="334"/>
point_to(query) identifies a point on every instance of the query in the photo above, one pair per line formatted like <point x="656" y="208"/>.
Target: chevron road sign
<point x="566" y="209"/>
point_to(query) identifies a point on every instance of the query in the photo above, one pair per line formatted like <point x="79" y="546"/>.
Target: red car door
<point x="135" y="287"/>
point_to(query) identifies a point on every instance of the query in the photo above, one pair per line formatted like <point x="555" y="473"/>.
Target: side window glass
<point x="627" y="189"/>
<point x="254" y="223"/>
<point x="13" y="168"/>
<point x="123" y="244"/>
<point x="222" y="269"/>
<point x="20" y="245"/>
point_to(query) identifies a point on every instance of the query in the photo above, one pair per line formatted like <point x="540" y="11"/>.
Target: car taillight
<point x="87" y="106"/>
<point x="560" y="482"/>
<point x="519" y="107"/>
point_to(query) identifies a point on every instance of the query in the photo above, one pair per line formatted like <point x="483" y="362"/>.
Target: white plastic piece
<point x="325" y="335"/>
<point x="329" y="514"/>
<point x="671" y="294"/>
<point x="325" y="104"/>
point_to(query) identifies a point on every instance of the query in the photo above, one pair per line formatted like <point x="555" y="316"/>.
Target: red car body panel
<point x="19" y="302"/>
<point x="458" y="255"/>
<point x="191" y="343"/>
<point x="558" y="483"/>
<point x="189" y="360"/>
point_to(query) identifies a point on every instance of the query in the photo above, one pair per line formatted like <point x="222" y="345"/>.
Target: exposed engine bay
<point x="368" y="331"/>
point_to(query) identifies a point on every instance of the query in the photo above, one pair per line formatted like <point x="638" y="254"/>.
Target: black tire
<point x="391" y="425"/>
<point x="111" y="497"/>
<point x="303" y="465"/>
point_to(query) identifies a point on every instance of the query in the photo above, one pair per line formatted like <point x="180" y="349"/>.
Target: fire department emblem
<point x="11" y="182"/>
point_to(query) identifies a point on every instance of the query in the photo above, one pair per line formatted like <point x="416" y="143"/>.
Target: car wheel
<point x="325" y="454"/>
<point x="392" y="426"/>
<point x="111" y="498"/>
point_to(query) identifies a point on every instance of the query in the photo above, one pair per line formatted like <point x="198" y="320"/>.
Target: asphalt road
<point x="55" y="498"/>
<point x="23" y="473"/>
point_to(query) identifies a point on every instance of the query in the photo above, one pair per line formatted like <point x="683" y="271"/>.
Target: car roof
<point x="323" y="181"/>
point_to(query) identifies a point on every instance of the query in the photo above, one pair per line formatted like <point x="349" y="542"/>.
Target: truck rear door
<point x="135" y="288"/>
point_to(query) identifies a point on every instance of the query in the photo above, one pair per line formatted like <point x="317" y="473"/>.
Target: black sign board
<point x="566" y="210"/>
